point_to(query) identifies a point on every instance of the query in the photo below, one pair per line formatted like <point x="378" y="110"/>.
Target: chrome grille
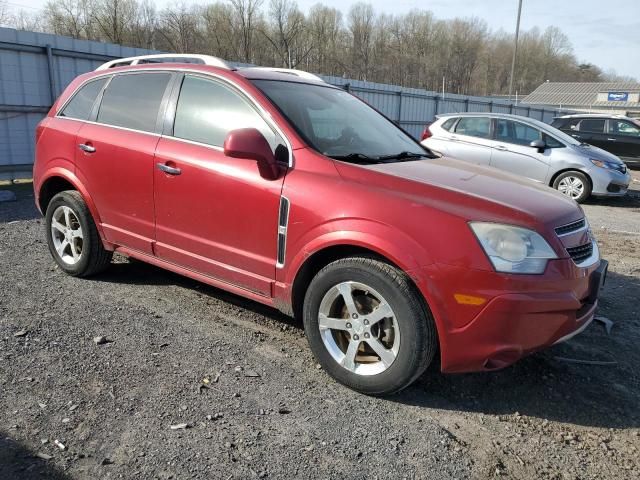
<point x="570" y="227"/>
<point x="581" y="253"/>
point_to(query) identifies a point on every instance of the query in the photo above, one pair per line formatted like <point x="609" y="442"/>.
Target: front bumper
<point x="609" y="183"/>
<point x="530" y="314"/>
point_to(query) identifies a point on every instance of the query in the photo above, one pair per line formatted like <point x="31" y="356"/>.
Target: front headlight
<point x="603" y="164"/>
<point x="513" y="249"/>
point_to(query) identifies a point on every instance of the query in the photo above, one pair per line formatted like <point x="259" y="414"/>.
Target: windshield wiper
<point x="356" y="158"/>
<point x="402" y="156"/>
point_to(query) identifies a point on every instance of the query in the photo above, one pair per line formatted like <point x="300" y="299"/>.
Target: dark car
<point x="617" y="134"/>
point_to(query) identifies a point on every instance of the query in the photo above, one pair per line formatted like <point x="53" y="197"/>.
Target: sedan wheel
<point x="574" y="185"/>
<point x="571" y="186"/>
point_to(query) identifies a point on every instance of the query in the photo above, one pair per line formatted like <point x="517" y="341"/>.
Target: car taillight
<point x="39" y="129"/>
<point x="426" y="133"/>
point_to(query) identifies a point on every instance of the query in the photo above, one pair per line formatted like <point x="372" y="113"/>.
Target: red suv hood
<point x="477" y="192"/>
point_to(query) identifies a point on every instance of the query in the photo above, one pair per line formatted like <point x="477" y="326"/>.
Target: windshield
<point x="339" y="125"/>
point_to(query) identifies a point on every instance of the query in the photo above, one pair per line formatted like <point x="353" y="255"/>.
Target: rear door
<point x="592" y="131"/>
<point x="512" y="152"/>
<point x="624" y="138"/>
<point x="115" y="156"/>
<point x="471" y="140"/>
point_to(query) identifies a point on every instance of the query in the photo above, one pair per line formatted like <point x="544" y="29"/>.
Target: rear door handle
<point x="86" y="148"/>
<point x="453" y="138"/>
<point x="502" y="148"/>
<point x="168" y="169"/>
<point x="611" y="139"/>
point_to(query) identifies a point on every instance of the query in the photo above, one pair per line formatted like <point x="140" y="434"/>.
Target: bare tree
<point x="414" y="49"/>
<point x="246" y="17"/>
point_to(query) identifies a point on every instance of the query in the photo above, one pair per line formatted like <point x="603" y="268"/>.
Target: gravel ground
<point x="245" y="398"/>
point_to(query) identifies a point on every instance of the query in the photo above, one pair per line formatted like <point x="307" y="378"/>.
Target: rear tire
<point x="381" y="339"/>
<point x="72" y="236"/>
<point x="573" y="184"/>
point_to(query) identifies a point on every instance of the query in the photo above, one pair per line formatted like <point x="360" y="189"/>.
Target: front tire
<point x="72" y="236"/>
<point x="573" y="184"/>
<point x="368" y="326"/>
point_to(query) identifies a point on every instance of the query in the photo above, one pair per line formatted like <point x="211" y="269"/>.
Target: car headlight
<point x="513" y="249"/>
<point x="604" y="164"/>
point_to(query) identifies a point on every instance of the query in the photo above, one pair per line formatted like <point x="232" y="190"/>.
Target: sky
<point x="605" y="33"/>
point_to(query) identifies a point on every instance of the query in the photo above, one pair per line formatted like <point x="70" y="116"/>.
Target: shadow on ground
<point x="23" y="208"/>
<point x="539" y="386"/>
<point x="17" y="462"/>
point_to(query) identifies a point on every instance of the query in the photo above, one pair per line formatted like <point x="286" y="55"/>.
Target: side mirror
<point x="250" y="143"/>
<point x="539" y="145"/>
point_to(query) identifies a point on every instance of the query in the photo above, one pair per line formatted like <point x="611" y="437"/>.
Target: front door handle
<point x="169" y="170"/>
<point x="611" y="139"/>
<point x="502" y="148"/>
<point x="86" y="148"/>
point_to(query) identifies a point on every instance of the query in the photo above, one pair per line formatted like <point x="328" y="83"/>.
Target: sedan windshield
<point x="339" y="125"/>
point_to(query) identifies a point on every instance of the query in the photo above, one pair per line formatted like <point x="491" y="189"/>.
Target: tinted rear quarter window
<point x="81" y="104"/>
<point x="448" y="124"/>
<point x="133" y="100"/>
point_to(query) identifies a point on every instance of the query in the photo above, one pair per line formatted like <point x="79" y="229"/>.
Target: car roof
<point x="595" y="115"/>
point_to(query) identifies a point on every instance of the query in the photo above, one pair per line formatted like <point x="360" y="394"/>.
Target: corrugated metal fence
<point x="36" y="67"/>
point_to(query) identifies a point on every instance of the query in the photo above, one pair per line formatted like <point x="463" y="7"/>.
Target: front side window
<point x="133" y="100"/>
<point x="474" y="127"/>
<point x="515" y="132"/>
<point x="551" y="142"/>
<point x="622" y="127"/>
<point x="594" y="125"/>
<point x="339" y="125"/>
<point x="81" y="104"/>
<point x="207" y="111"/>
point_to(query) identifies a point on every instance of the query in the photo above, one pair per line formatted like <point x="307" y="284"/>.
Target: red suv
<point x="280" y="188"/>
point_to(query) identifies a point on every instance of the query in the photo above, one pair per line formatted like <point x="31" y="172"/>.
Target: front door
<point x="115" y="157"/>
<point x="512" y="152"/>
<point x="214" y="214"/>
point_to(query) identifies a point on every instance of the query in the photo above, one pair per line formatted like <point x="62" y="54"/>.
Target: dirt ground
<point x="268" y="411"/>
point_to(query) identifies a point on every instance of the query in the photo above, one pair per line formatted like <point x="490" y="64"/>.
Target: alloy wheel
<point x="359" y="328"/>
<point x="67" y="235"/>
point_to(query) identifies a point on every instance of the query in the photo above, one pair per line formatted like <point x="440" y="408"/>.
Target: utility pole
<point x="515" y="49"/>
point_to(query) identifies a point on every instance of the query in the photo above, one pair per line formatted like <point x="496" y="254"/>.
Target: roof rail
<point x="288" y="71"/>
<point x="166" y="58"/>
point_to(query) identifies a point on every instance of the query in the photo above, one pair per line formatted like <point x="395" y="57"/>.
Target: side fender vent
<point x="283" y="220"/>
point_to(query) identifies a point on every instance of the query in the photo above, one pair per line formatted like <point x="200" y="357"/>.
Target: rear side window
<point x="133" y="101"/>
<point x="566" y="123"/>
<point x="474" y="126"/>
<point x="595" y="125"/>
<point x="448" y="124"/>
<point x="81" y="104"/>
<point x="207" y="111"/>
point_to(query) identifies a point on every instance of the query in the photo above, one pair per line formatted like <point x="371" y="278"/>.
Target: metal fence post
<point x="436" y="100"/>
<point x="52" y="80"/>
<point x="528" y="111"/>
<point x="490" y="106"/>
<point x="399" y="107"/>
<point x="466" y="104"/>
<point x="347" y="87"/>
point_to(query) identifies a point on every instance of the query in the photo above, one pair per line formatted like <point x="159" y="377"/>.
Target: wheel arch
<point x="570" y="169"/>
<point x="59" y="180"/>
